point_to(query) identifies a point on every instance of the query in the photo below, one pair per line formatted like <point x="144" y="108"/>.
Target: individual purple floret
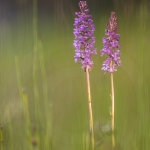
<point x="111" y="46"/>
<point x="84" y="39"/>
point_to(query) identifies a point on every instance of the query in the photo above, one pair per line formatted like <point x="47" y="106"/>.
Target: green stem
<point x="24" y="99"/>
<point x="1" y="137"/>
<point x="35" y="37"/>
<point x="35" y="63"/>
<point x="45" y="94"/>
<point x="90" y="108"/>
<point x="113" y="109"/>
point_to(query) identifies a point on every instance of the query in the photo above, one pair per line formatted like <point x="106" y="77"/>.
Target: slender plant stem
<point x="10" y="128"/>
<point x="1" y="137"/>
<point x="112" y="110"/>
<point x="35" y="69"/>
<point x="35" y="50"/>
<point x="24" y="99"/>
<point x="90" y="108"/>
<point x="48" y="123"/>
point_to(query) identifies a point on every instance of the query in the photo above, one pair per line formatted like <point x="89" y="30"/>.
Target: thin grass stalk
<point x="43" y="72"/>
<point x="1" y="137"/>
<point x="10" y="128"/>
<point x="35" y="69"/>
<point x="86" y="141"/>
<point x="35" y="50"/>
<point x="24" y="99"/>
<point x="35" y="60"/>
<point x="27" y="117"/>
<point x="45" y="93"/>
<point x="90" y="109"/>
<point x="143" y="17"/>
<point x="1" y="126"/>
<point x="112" y="110"/>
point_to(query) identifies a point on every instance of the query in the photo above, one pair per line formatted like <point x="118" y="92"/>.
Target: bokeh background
<point x="43" y="94"/>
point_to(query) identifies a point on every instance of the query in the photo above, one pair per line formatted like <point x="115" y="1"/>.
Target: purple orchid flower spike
<point x="84" y="39"/>
<point x="112" y="50"/>
<point x="84" y="48"/>
<point x="111" y="46"/>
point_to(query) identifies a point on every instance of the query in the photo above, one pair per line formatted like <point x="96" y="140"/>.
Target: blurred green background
<point x="43" y="94"/>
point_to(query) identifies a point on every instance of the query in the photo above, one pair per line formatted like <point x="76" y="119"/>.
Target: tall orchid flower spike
<point x="84" y="48"/>
<point x="112" y="50"/>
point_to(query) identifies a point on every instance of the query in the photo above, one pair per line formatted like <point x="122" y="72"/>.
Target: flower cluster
<point x="111" y="46"/>
<point x="84" y="39"/>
